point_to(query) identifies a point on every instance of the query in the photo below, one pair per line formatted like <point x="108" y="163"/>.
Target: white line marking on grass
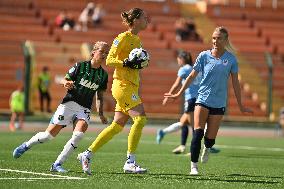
<point x="43" y="174"/>
<point x="251" y="148"/>
<point x="219" y="146"/>
<point x="41" y="178"/>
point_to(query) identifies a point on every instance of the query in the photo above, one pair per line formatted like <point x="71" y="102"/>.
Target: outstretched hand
<point x="165" y="101"/>
<point x="169" y="95"/>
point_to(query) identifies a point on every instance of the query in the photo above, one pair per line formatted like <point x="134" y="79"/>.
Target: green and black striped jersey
<point x="87" y="81"/>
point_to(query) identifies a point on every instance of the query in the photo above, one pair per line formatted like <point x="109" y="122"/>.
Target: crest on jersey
<point x="116" y="42"/>
<point x="60" y="117"/>
<point x="134" y="97"/>
<point x="225" y="62"/>
<point x="209" y="62"/>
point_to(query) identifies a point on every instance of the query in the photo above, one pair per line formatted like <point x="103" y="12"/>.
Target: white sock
<point x="193" y="164"/>
<point x="130" y="157"/>
<point x="88" y="153"/>
<point x="172" y="128"/>
<point x="40" y="137"/>
<point x="69" y="147"/>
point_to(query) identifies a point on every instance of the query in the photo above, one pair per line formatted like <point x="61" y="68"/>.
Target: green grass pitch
<point x="242" y="163"/>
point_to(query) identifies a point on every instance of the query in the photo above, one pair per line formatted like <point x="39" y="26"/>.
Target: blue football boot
<point x="20" y="150"/>
<point x="160" y="136"/>
<point x="56" y="167"/>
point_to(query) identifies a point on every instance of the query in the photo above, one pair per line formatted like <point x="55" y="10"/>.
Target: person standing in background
<point x="17" y="105"/>
<point x="184" y="61"/>
<point x="43" y="87"/>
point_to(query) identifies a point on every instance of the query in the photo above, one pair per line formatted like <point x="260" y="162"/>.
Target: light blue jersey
<point x="192" y="90"/>
<point x="215" y="74"/>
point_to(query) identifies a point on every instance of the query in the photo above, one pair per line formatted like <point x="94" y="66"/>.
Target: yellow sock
<point x="105" y="136"/>
<point x="135" y="133"/>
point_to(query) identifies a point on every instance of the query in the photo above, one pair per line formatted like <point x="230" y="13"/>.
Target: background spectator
<point x="192" y="33"/>
<point x="65" y="20"/>
<point x="186" y="30"/>
<point x="68" y="22"/>
<point x="280" y="125"/>
<point x="86" y="16"/>
<point x="59" y="18"/>
<point x="43" y="87"/>
<point x="98" y="14"/>
<point x="17" y="102"/>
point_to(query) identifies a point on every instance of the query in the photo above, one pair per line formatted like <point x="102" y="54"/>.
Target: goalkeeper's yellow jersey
<point x="120" y="49"/>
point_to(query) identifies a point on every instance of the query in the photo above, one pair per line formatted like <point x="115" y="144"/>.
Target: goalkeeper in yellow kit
<point x="125" y="91"/>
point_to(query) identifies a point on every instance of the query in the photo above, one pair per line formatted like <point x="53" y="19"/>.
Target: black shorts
<point x="213" y="111"/>
<point x="189" y="105"/>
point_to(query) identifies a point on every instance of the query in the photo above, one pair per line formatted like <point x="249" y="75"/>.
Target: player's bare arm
<point x="174" y="87"/>
<point x="187" y="82"/>
<point x="237" y="91"/>
<point x="100" y="105"/>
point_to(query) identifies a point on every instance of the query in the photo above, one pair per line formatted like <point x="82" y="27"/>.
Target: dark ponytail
<point x="186" y="56"/>
<point x="128" y="17"/>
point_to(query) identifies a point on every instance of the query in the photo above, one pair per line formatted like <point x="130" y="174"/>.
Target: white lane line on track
<point x="42" y="174"/>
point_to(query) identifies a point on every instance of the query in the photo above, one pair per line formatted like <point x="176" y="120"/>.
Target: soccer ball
<point x="142" y="54"/>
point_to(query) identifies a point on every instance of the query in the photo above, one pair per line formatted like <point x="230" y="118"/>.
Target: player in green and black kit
<point x="83" y="81"/>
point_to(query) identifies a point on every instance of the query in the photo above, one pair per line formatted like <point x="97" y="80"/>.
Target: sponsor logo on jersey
<point x="116" y="42"/>
<point x="88" y="84"/>
<point x="225" y="62"/>
<point x="134" y="97"/>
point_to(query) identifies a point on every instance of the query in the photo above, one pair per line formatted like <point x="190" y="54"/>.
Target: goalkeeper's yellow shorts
<point x="126" y="95"/>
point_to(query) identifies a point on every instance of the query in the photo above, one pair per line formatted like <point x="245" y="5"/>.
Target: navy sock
<point x="196" y="144"/>
<point x="209" y="142"/>
<point x="184" y="134"/>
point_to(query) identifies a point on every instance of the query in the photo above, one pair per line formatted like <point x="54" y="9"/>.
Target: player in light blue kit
<point x="185" y="63"/>
<point x="184" y="60"/>
<point x="215" y="65"/>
